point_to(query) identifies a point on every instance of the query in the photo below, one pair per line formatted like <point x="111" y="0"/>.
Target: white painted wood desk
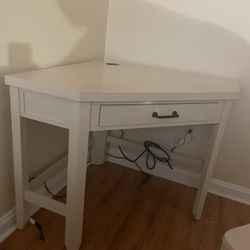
<point x="93" y="96"/>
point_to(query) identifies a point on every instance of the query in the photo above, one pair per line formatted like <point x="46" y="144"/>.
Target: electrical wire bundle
<point x="149" y="147"/>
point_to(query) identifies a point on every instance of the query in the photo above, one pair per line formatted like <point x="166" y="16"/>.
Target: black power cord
<point x="148" y="146"/>
<point x="55" y="196"/>
<point x="48" y="190"/>
<point x="39" y="227"/>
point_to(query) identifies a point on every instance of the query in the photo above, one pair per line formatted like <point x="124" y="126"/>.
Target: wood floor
<point x="122" y="214"/>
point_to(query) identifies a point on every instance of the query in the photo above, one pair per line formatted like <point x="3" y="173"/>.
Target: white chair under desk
<point x="94" y="96"/>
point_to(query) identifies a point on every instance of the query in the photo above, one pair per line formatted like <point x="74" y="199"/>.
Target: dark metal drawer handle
<point x="174" y="115"/>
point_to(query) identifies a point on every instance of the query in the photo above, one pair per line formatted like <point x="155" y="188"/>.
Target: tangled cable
<point x="148" y="149"/>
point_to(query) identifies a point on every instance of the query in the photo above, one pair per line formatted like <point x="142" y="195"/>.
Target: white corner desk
<point x="94" y="96"/>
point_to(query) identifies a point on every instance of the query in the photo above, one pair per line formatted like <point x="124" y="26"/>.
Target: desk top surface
<point x="95" y="81"/>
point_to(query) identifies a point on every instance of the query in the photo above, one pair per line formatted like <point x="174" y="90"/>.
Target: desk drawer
<point x="116" y="115"/>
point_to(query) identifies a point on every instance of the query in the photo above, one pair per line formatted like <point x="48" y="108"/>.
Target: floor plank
<point x="123" y="214"/>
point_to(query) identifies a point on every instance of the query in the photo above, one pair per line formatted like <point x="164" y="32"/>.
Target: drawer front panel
<point x="117" y="115"/>
<point x="44" y="108"/>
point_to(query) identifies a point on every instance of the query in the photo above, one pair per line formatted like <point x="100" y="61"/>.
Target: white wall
<point x="204" y="36"/>
<point x="36" y="34"/>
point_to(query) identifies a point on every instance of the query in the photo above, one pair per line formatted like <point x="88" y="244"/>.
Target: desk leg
<point x="207" y="172"/>
<point x="19" y="141"/>
<point x="77" y="168"/>
<point x="99" y="149"/>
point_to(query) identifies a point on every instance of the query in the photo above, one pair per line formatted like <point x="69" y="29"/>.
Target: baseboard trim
<point x="7" y="224"/>
<point x="230" y="191"/>
<point x="56" y="183"/>
<point x="218" y="187"/>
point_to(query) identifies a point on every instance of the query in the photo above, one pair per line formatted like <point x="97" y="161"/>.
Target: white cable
<point x="32" y="221"/>
<point x="184" y="140"/>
